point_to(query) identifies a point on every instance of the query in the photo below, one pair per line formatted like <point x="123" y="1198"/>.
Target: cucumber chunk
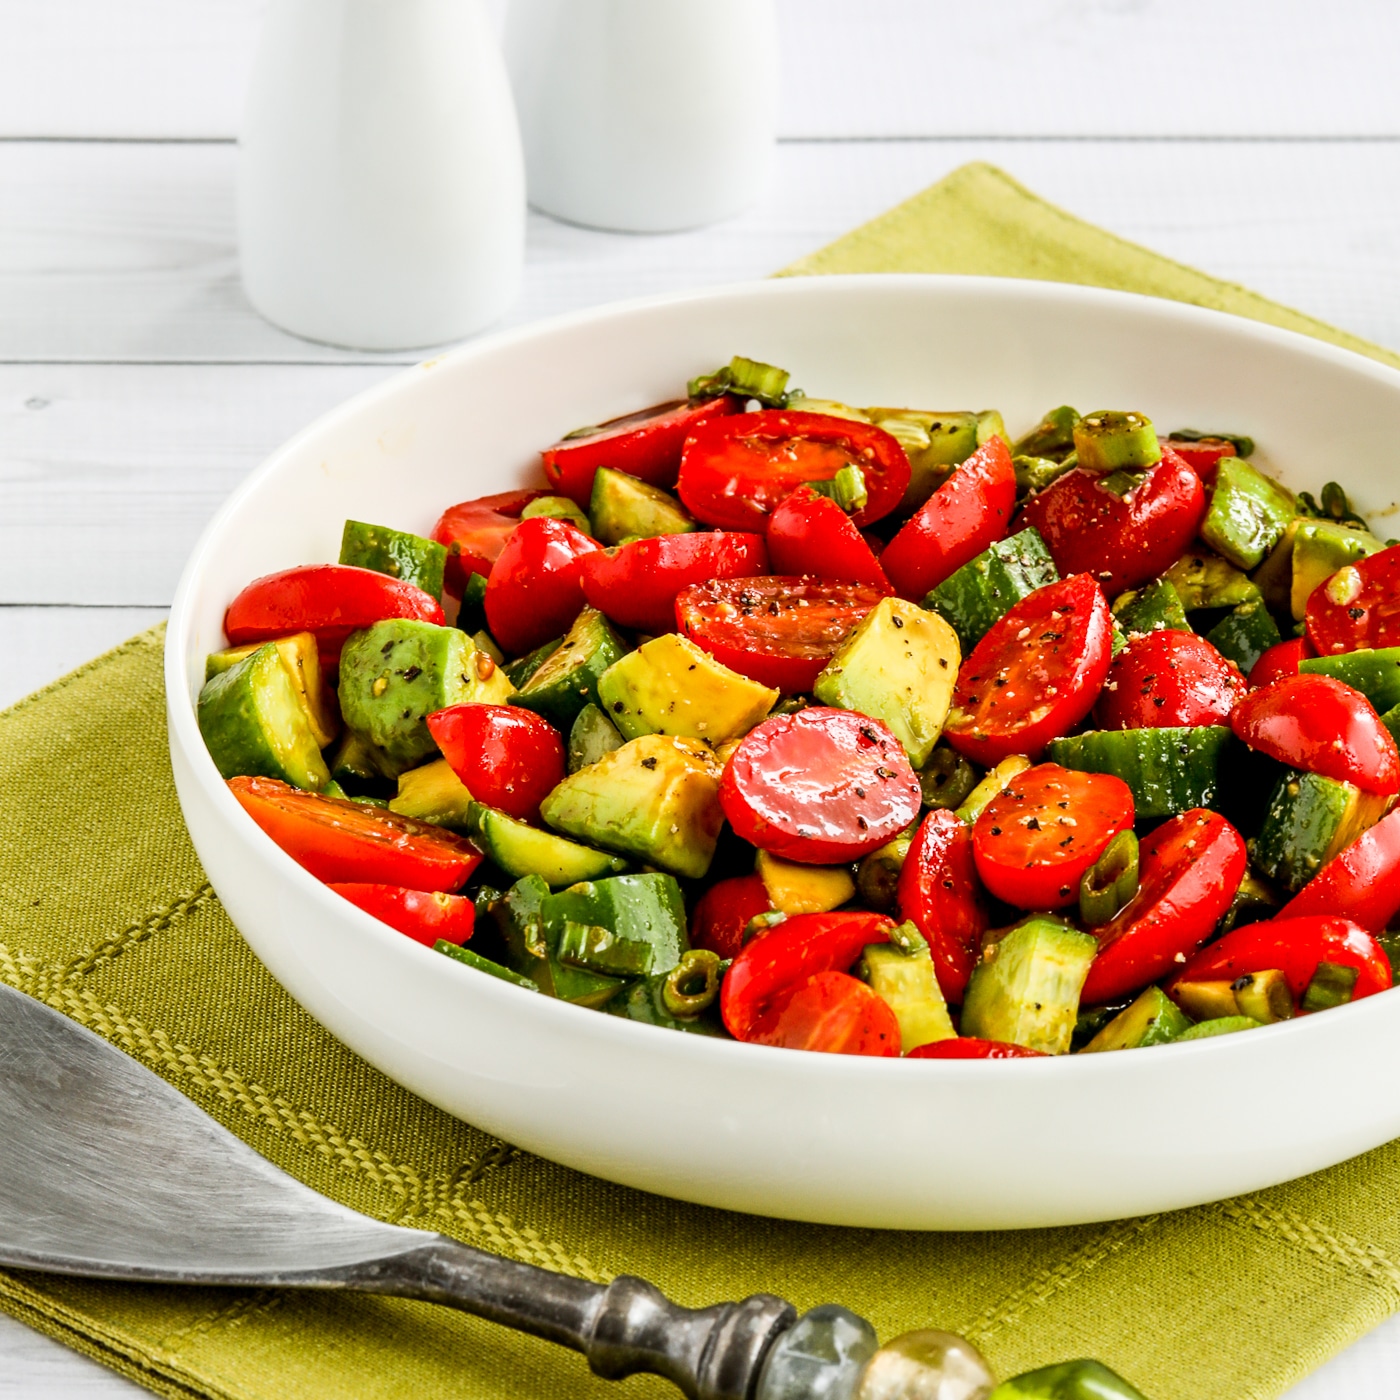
<point x="1220" y="1025"/>
<point x="625" y="507"/>
<point x="646" y="910"/>
<point x="491" y="969"/>
<point x="356" y="763"/>
<point x="433" y="793"/>
<point x="567" y="679"/>
<point x="988" y="587"/>
<point x="521" y="850"/>
<point x="1245" y="633"/>
<point x="1155" y="607"/>
<point x="302" y="658"/>
<point x="906" y="982"/>
<point x="396" y="553"/>
<point x="1169" y="770"/>
<point x="1309" y="820"/>
<point x="593" y="734"/>
<point x="1248" y="513"/>
<point x="558" y="508"/>
<point x="522" y="668"/>
<point x="1153" y="1019"/>
<point x="1376" y="674"/>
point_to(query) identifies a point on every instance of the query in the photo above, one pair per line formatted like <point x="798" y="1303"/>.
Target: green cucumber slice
<point x="988" y="587"/>
<point x="1169" y="770"/>
<point x="1153" y="1019"/>
<point x="1246" y="633"/>
<point x="522" y="850"/>
<point x="592" y="736"/>
<point x="567" y="680"/>
<point x="396" y="553"/>
<point x="1309" y="820"/>
<point x="625" y="507"/>
<point x="1155" y="607"/>
<point x="1376" y="674"/>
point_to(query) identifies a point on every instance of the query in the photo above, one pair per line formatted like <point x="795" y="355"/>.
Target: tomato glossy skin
<point x="425" y="916"/>
<point x="969" y="1047"/>
<point x="1035" y="675"/>
<point x="811" y="534"/>
<point x="636" y="584"/>
<point x="331" y="600"/>
<point x="1294" y="947"/>
<point x="1321" y="725"/>
<point x="1365" y="614"/>
<point x="833" y="1013"/>
<point x="1280" y="660"/>
<point x="1033" y="841"/>
<point x="1189" y="869"/>
<point x="646" y="444"/>
<point x="939" y="890"/>
<point x="778" y="631"/>
<point x="723" y="913"/>
<point x="1122" y="541"/>
<point x="534" y="592"/>
<point x="507" y="757"/>
<point x="1360" y="883"/>
<point x="735" y="472"/>
<point x="1169" y="679"/>
<point x="1202" y="456"/>
<point x="475" y="532"/>
<point x="969" y="513"/>
<point x="821" y="786"/>
<point x="352" y="843"/>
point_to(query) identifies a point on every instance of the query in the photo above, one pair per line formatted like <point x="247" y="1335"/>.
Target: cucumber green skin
<point x="1203" y="580"/>
<point x="593" y="734"/>
<point x="641" y="1001"/>
<point x="1376" y="674"/>
<point x="1068" y="1380"/>
<point x="623" y="507"/>
<point x="1168" y="770"/>
<point x="1303" y="815"/>
<point x="1248" y="513"/>
<point x="396" y="553"/>
<point x="1391" y="720"/>
<point x="1245" y="634"/>
<point x="645" y="908"/>
<point x="491" y="969"/>
<point x="522" y="850"/>
<point x="1220" y="1025"/>
<point x="241" y="713"/>
<point x="1153" y="1019"/>
<point x="1155" y="607"/>
<point x="988" y="587"/>
<point x="568" y="680"/>
<point x="520" y="670"/>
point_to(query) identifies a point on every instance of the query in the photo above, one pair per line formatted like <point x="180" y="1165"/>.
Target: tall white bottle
<point x="381" y="188"/>
<point x="644" y="115"/>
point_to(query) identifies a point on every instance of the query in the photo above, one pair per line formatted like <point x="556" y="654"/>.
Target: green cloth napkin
<point x="106" y="915"/>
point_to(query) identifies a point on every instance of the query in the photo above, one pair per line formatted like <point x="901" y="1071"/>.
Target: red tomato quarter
<point x="970" y="1048"/>
<point x="508" y="758"/>
<point x="1034" y="840"/>
<point x="811" y="534"/>
<point x="1035" y="674"/>
<point x="1164" y="680"/>
<point x="424" y="915"/>
<point x="724" y="911"/>
<point x="1359" y="606"/>
<point x="736" y="471"/>
<point x="820" y="786"/>
<point x="351" y="843"/>
<point x="1280" y="660"/>
<point x="1321" y="725"/>
<point x="1361" y="883"/>
<point x="534" y="592"/>
<point x="475" y="533"/>
<point x="835" y="1013"/>
<point x="777" y="631"/>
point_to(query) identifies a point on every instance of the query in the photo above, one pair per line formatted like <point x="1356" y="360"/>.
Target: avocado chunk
<point x="491" y="969"/>
<point x="1026" y="987"/>
<point x="302" y="658"/>
<point x="520" y="849"/>
<point x="567" y="679"/>
<point x="593" y="734"/>
<point x="1320" y="548"/>
<point x="1376" y="674"/>
<point x="1245" y="633"/>
<point x="670" y="686"/>
<point x="624" y="507"/>
<point x="899" y="666"/>
<point x="905" y="980"/>
<point x="1155" y="607"/>
<point x="255" y="723"/>
<point x="1248" y="513"/>
<point x="1052" y="438"/>
<point x="558" y="508"/>
<point x="646" y="911"/>
<point x="1309" y="820"/>
<point x="434" y="793"/>
<point x="1109" y="441"/>
<point x="988" y="587"/>
<point x="803" y="889"/>
<point x="1205" y="580"/>
<point x="1153" y="1019"/>
<point x="396" y="673"/>
<point x="656" y="799"/>
<point x="396" y="553"/>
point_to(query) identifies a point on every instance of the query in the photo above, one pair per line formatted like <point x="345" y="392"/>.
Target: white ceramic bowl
<point x="837" y="1139"/>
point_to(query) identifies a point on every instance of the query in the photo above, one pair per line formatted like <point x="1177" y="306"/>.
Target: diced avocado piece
<point x="567" y="679"/>
<point x="1052" y="437"/>
<point x="1376" y="674"/>
<point x="521" y="850"/>
<point x="1245" y="633"/>
<point x="1068" y="1380"/>
<point x="1169" y="770"/>
<point x="947" y="778"/>
<point x="255" y="723"/>
<point x="934" y="442"/>
<point x="491" y="969"/>
<point x="356" y="763"/>
<point x="1220" y="1025"/>
<point x="1274" y="577"/>
<point x="1205" y="580"/>
<point x="906" y="982"/>
<point x="1108" y="441"/>
<point x="640" y="909"/>
<point x="643" y="1001"/>
<point x="1026" y="987"/>
<point x="1264" y="995"/>
<point x="877" y="876"/>
<point x="1036" y="473"/>
<point x="1309" y="820"/>
<point x="996" y="781"/>
<point x="656" y="799"/>
<point x="899" y="666"/>
<point x="398" y="671"/>
<point x="302" y="658"/>
<point x="988" y="587"/>
<point x="558" y="508"/>
<point x="434" y="793"/>
<point x="519" y="671"/>
<point x="1248" y="513"/>
<point x="803" y="889"/>
<point x="1153" y="1019"/>
<point x="670" y="686"/>
<point x="593" y="734"/>
<point x="1155" y="607"/>
<point x="396" y="553"/>
<point x="1320" y="548"/>
<point x="624" y="507"/>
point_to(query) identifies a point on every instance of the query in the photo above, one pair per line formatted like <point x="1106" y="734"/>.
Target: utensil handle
<point x="627" y="1326"/>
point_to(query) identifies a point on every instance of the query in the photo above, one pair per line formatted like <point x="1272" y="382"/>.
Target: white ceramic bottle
<point x="644" y="115"/>
<point x="381" y="188"/>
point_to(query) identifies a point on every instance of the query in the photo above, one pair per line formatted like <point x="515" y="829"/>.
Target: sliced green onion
<point x="597" y="949"/>
<point x="947" y="779"/>
<point x="1265" y="995"/>
<point x="1120" y="482"/>
<point x="907" y="938"/>
<point x="1052" y="437"/>
<point x="846" y="488"/>
<point x="693" y="984"/>
<point x="1112" y="880"/>
<point x="1332" y="985"/>
<point x="760" y="924"/>
<point x="745" y="378"/>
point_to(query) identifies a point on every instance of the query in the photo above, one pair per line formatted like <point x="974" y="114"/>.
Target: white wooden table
<point x="1257" y="139"/>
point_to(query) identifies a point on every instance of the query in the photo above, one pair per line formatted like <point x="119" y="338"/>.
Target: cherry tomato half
<point x="508" y="758"/>
<point x="636" y="584"/>
<point x="968" y="1047"/>
<point x="821" y="786"/>
<point x="475" y="533"/>
<point x="777" y="631"/>
<point x="1201" y="455"/>
<point x="1280" y="660"/>
<point x="1035" y="674"/>
<point x="1188" y="871"/>
<point x="1122" y="541"/>
<point x="350" y="842"/>
<point x="737" y="470"/>
<point x="1359" y="606"/>
<point x="967" y="514"/>
<point x="331" y="600"/>
<point x="1360" y="883"/>
<point x="1035" y="839"/>
<point x="1164" y="680"/>
<point x="835" y="1013"/>
<point x="724" y="911"/>
<point x="534" y="592"/>
<point x="811" y="534"/>
<point x="424" y="915"/>
<point x="1321" y="725"/>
